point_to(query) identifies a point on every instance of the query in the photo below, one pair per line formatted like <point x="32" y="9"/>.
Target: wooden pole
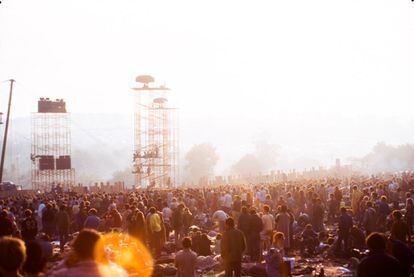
<point x="3" y="152"/>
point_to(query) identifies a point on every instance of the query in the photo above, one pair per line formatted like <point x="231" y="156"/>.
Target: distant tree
<point x="200" y="162"/>
<point x="388" y="158"/>
<point x="262" y="159"/>
<point x="124" y="175"/>
<point x="266" y="153"/>
<point x="248" y="164"/>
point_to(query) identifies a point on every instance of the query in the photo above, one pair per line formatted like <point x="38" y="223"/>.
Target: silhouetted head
<point x="12" y="254"/>
<point x="186" y="242"/>
<point x="85" y="243"/>
<point x="230" y="223"/>
<point x="376" y="242"/>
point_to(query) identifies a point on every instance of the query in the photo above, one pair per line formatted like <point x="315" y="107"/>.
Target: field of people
<point x="331" y="227"/>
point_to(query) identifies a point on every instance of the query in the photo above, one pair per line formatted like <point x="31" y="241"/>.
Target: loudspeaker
<point x="46" y="163"/>
<point x="63" y="162"/>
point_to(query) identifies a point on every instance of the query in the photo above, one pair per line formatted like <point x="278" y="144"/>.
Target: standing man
<point x="256" y="227"/>
<point x="283" y="225"/>
<point x="344" y="225"/>
<point x="177" y="222"/>
<point x="62" y="220"/>
<point x="232" y="247"/>
<point x="268" y="226"/>
<point x="156" y="231"/>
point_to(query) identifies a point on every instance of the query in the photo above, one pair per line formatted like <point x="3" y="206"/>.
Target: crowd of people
<point x="246" y="229"/>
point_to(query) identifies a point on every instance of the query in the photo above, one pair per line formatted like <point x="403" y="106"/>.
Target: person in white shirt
<point x="220" y="217"/>
<point x="40" y="209"/>
<point x="228" y="201"/>
<point x="268" y="226"/>
<point x="167" y="213"/>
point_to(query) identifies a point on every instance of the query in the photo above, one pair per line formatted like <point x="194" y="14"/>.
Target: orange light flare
<point x="126" y="252"/>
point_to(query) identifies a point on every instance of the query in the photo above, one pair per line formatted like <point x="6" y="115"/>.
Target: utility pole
<point x="3" y="152"/>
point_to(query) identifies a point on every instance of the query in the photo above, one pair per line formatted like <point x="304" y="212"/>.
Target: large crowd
<point x="243" y="230"/>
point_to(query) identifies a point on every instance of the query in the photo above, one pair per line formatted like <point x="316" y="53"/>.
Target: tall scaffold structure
<point x="156" y="141"/>
<point x="51" y="146"/>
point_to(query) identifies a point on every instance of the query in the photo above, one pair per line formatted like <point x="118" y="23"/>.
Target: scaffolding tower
<point x="51" y="146"/>
<point x="156" y="145"/>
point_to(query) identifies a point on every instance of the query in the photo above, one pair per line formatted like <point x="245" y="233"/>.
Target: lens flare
<point x="126" y="252"/>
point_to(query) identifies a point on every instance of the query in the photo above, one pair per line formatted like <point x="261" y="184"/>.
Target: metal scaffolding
<point x="51" y="148"/>
<point x="156" y="147"/>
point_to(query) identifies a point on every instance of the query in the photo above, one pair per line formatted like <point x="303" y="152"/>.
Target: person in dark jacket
<point x="28" y="226"/>
<point x="409" y="214"/>
<point x="177" y="222"/>
<point x="48" y="220"/>
<point x="232" y="247"/>
<point x="81" y="217"/>
<point x="204" y="248"/>
<point x="92" y="221"/>
<point x="400" y="229"/>
<point x="115" y="219"/>
<point x="137" y="226"/>
<point x="6" y="225"/>
<point x="62" y="222"/>
<point x="402" y="253"/>
<point x="253" y="239"/>
<point x="344" y="227"/>
<point x="243" y="223"/>
<point x="383" y="211"/>
<point x="378" y="263"/>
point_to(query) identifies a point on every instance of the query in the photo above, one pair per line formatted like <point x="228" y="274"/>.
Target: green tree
<point x="200" y="162"/>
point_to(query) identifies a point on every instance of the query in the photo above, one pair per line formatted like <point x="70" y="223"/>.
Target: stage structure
<point x="51" y="146"/>
<point x="156" y="144"/>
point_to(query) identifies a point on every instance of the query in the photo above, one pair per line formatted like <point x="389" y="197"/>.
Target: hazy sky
<point x="255" y="64"/>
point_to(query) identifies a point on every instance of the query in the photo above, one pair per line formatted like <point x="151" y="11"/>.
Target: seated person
<point x="185" y="260"/>
<point x="196" y="241"/>
<point x="81" y="262"/>
<point x="274" y="257"/>
<point x="357" y="238"/>
<point x="309" y="240"/>
<point x="204" y="248"/>
<point x="278" y="242"/>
